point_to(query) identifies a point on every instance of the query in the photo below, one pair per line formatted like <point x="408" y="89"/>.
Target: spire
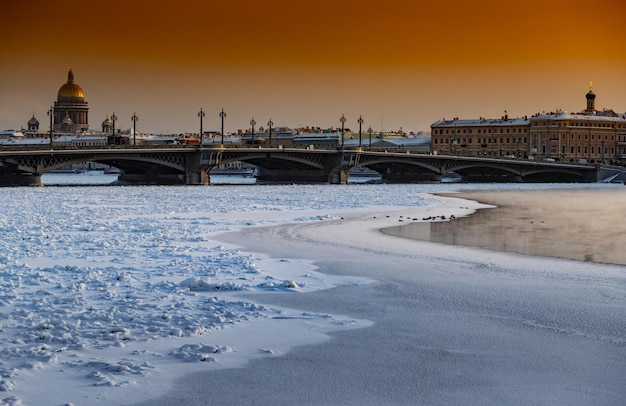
<point x="591" y="100"/>
<point x="70" y="76"/>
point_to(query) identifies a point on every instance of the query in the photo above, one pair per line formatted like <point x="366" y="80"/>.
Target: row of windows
<point x="520" y="130"/>
<point x="578" y="124"/>
<point x="585" y="150"/>
<point x="88" y="143"/>
<point x="481" y="131"/>
<point x="555" y="137"/>
<point x="482" y="141"/>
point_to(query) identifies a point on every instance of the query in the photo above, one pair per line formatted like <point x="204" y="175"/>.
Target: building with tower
<point x="589" y="136"/>
<point x="33" y="124"/>
<point x="71" y="110"/>
<point x="107" y="126"/>
<point x="591" y="101"/>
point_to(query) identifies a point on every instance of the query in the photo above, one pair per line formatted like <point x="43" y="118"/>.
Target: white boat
<point x="245" y="172"/>
<point x="66" y="171"/>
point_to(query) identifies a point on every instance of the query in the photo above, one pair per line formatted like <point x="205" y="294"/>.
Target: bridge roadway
<point x="191" y="165"/>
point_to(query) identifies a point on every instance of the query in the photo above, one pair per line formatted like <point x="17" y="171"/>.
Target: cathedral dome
<point x="70" y="90"/>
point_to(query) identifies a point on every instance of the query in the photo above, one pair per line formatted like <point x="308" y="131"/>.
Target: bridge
<point x="191" y="165"/>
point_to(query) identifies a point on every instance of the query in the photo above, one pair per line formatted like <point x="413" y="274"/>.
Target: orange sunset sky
<point x="398" y="63"/>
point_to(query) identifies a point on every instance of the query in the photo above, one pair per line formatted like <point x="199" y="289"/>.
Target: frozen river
<point x="109" y="294"/>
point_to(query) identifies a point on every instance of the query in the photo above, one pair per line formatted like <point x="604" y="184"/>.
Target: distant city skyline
<point x="398" y="63"/>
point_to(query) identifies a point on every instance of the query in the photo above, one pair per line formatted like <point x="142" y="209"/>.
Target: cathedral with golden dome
<point x="71" y="111"/>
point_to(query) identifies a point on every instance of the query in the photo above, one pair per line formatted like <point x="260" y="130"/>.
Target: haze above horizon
<point x="398" y="63"/>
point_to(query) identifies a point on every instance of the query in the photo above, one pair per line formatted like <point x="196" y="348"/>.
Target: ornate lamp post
<point x="369" y="131"/>
<point x="113" y="118"/>
<point x="134" y="118"/>
<point x="360" y="124"/>
<point x="201" y="114"/>
<point x="270" y="124"/>
<point x="252" y="123"/>
<point x="343" y="122"/>
<point x="51" y="114"/>
<point x="222" y="115"/>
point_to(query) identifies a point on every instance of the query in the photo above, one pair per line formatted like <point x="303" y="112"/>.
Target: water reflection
<point x="585" y="225"/>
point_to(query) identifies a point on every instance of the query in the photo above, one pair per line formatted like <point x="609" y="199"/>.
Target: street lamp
<point x="134" y="118"/>
<point x="369" y="131"/>
<point x="51" y="114"/>
<point x="343" y="122"/>
<point x="270" y="124"/>
<point x="360" y="123"/>
<point x="113" y="118"/>
<point x="222" y="115"/>
<point x="201" y="115"/>
<point x="252" y="123"/>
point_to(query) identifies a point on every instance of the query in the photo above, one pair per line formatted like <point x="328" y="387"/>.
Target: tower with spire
<point x="591" y="101"/>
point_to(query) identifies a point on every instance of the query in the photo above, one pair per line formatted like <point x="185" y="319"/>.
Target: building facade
<point x="589" y="136"/>
<point x="487" y="138"/>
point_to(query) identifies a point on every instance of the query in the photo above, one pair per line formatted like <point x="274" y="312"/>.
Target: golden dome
<point x="70" y="89"/>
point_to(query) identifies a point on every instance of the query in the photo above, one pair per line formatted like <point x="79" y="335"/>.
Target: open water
<point x="580" y="224"/>
<point x="584" y="224"/>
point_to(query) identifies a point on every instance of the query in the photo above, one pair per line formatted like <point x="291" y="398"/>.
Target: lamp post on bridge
<point x="360" y="124"/>
<point x="369" y="131"/>
<point x="222" y="115"/>
<point x="201" y="114"/>
<point x="113" y="118"/>
<point x="134" y="118"/>
<point x="252" y="123"/>
<point x="51" y="114"/>
<point x="270" y="124"/>
<point x="343" y="122"/>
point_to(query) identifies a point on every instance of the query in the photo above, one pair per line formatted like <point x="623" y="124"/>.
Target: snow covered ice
<point x="107" y="294"/>
<point x="108" y="286"/>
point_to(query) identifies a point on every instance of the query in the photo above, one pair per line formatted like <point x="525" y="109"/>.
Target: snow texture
<point x="109" y="294"/>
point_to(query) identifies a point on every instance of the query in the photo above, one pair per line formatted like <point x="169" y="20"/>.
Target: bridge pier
<point x="20" y="179"/>
<point x="338" y="176"/>
<point x="199" y="177"/>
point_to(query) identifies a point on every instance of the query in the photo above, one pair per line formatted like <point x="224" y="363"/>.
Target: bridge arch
<point x="191" y="165"/>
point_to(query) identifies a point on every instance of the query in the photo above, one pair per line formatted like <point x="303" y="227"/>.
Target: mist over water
<point x="584" y="225"/>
